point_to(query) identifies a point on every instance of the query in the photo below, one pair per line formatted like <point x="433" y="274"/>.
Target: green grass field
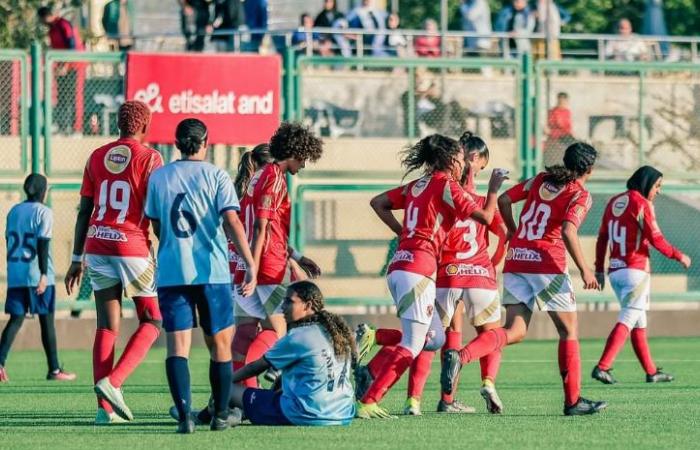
<point x="38" y="414"/>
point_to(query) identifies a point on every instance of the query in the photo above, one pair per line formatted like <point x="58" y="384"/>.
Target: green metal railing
<point x="14" y="89"/>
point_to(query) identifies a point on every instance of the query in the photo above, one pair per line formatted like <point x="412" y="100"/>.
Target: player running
<point x="113" y="233"/>
<point x="629" y="226"/>
<point x="266" y="214"/>
<point x="535" y="272"/>
<point x="30" y="275"/>
<point x="432" y="205"/>
<point x="315" y="359"/>
<point x="188" y="201"/>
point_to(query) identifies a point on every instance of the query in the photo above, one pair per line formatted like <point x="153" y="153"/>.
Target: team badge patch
<point x="117" y="159"/>
<point x="419" y="186"/>
<point x="549" y="191"/>
<point x="620" y="205"/>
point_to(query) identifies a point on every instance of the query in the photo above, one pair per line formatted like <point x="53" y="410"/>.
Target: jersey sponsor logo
<point x="419" y="186"/>
<point x="117" y="159"/>
<point x="461" y="269"/>
<point x="620" y="205"/>
<point x="549" y="191"/>
<point x="402" y="256"/>
<point x="617" y="263"/>
<point x="106" y="233"/>
<point x="523" y="254"/>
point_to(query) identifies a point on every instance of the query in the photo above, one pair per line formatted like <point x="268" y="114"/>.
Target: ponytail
<point x="250" y="161"/>
<point x="435" y="152"/>
<point x="579" y="158"/>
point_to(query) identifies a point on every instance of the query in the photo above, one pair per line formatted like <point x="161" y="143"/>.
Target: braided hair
<point x="339" y="332"/>
<point x="432" y="153"/>
<point x="251" y="161"/>
<point x="579" y="157"/>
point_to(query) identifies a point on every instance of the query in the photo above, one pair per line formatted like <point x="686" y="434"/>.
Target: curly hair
<point x="190" y="135"/>
<point x="339" y="332"/>
<point x="579" y="157"/>
<point x="133" y="117"/>
<point x="251" y="161"/>
<point x="293" y="140"/>
<point x="434" y="152"/>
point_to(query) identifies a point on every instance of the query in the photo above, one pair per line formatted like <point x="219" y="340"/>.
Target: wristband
<point x="76" y="258"/>
<point x="296" y="256"/>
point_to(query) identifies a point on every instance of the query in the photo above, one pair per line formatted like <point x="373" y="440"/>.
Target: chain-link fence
<point x="371" y="107"/>
<point x="633" y="114"/>
<point x="14" y="117"/>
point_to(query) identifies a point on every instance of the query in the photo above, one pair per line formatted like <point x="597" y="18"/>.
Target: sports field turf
<point x="38" y="414"/>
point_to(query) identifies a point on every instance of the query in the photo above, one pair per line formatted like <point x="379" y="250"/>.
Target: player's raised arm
<point x="486" y="214"/>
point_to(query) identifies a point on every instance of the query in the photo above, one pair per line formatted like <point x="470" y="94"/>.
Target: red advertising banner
<point x="237" y="96"/>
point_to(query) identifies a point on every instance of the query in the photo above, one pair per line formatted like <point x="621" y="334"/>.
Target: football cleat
<point x="451" y="366"/>
<point x="272" y="375"/>
<point x="371" y="411"/>
<point x="114" y="396"/>
<point x="225" y="420"/>
<point x="3" y="375"/>
<point x="659" y="377"/>
<point x="186" y="426"/>
<point x="105" y="418"/>
<point x="456" y="407"/>
<point x="604" y="376"/>
<point x="61" y="375"/>
<point x="365" y="338"/>
<point x="412" y="407"/>
<point x="363" y="380"/>
<point x="489" y="394"/>
<point x="584" y="407"/>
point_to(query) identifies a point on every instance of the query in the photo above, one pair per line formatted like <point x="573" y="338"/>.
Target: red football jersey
<point x="629" y="226"/>
<point x="465" y="261"/>
<point x="537" y="246"/>
<point x="267" y="198"/>
<point x="432" y="205"/>
<point x="116" y="178"/>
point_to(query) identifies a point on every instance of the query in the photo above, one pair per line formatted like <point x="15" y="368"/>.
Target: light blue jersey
<point x="188" y="198"/>
<point x="27" y="222"/>
<point x="316" y="387"/>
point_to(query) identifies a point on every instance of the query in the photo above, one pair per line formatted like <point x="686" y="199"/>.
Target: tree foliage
<point x="18" y="23"/>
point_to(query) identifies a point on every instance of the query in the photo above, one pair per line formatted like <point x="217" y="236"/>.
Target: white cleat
<point x="114" y="396"/>
<point x="493" y="401"/>
<point x="104" y="418"/>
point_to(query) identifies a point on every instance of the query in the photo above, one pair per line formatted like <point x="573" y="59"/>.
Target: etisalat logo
<point x="214" y="102"/>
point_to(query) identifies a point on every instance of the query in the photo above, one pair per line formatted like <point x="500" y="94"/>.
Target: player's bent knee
<point x="436" y="341"/>
<point x="244" y="336"/>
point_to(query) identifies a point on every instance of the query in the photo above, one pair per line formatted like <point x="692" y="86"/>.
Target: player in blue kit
<point x="188" y="201"/>
<point x="30" y="275"/>
<point x="315" y="358"/>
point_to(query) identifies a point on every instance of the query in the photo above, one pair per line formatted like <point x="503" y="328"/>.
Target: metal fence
<point x="14" y="112"/>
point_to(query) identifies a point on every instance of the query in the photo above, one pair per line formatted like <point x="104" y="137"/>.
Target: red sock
<point x="490" y="365"/>
<point x="251" y="382"/>
<point x="244" y="337"/>
<point x="135" y="351"/>
<point x="418" y="373"/>
<point x="377" y="363"/>
<point x="483" y="344"/>
<point x="396" y="365"/>
<point x="388" y="336"/>
<point x="641" y="349"/>
<point x="453" y="341"/>
<point x="102" y="359"/>
<point x="570" y="369"/>
<point x="261" y="344"/>
<point x="614" y="344"/>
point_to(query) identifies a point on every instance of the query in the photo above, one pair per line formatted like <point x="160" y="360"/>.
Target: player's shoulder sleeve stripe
<point x="447" y="195"/>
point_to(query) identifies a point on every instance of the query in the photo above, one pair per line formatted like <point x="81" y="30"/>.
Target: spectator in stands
<point x="475" y="16"/>
<point x="70" y="76"/>
<point x="558" y="131"/>
<point x="369" y="18"/>
<point x="396" y="43"/>
<point x="432" y="114"/>
<point x="194" y="20"/>
<point x="117" y="22"/>
<point x="629" y="48"/>
<point x="328" y="16"/>
<point x="548" y="23"/>
<point x="228" y="17"/>
<point x="516" y="19"/>
<point x="303" y="37"/>
<point x="255" y="18"/>
<point x="429" y="45"/>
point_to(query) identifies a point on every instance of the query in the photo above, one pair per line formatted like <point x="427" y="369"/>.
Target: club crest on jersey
<point x="106" y="234"/>
<point x="429" y="311"/>
<point x="117" y="159"/>
<point x="454" y="270"/>
<point x="419" y="186"/>
<point x="549" y="191"/>
<point x="620" y="205"/>
<point x="523" y="254"/>
<point x="402" y="256"/>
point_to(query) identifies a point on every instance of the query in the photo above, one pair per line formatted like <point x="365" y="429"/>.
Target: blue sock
<point x="220" y="377"/>
<point x="178" y="371"/>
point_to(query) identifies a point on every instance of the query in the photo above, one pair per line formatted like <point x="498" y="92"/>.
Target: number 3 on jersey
<point x="469" y="237"/>
<point x="534" y="222"/>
